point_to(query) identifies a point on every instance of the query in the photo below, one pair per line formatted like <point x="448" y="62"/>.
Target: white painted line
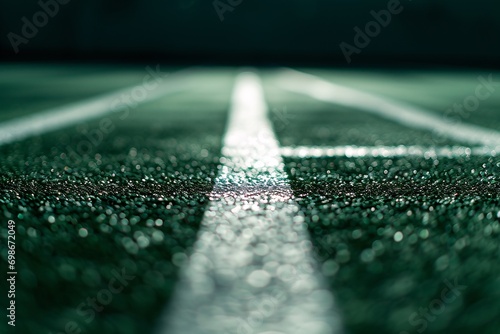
<point x="252" y="269"/>
<point x="75" y="113"/>
<point x="385" y="151"/>
<point x="405" y="114"/>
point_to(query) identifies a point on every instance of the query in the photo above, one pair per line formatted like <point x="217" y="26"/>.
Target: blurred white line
<point x="75" y="113"/>
<point x="252" y="269"/>
<point x="405" y="114"/>
<point x="385" y="151"/>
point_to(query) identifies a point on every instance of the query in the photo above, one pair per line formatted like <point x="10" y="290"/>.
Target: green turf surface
<point x="302" y="120"/>
<point x="389" y="233"/>
<point x="133" y="203"/>
<point x="434" y="90"/>
<point x="25" y="89"/>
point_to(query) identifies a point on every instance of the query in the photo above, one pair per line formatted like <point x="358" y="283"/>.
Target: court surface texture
<point x="225" y="200"/>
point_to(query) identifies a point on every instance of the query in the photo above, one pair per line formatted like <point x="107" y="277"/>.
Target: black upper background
<point x="265" y="32"/>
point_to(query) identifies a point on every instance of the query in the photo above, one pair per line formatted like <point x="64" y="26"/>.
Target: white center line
<point x="252" y="269"/>
<point x="405" y="114"/>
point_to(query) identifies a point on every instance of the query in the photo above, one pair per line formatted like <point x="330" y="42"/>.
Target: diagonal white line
<point x="252" y="269"/>
<point x="60" y="117"/>
<point x="402" y="113"/>
<point x="385" y="151"/>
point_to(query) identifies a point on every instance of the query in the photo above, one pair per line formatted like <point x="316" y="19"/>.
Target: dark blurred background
<point x="255" y="32"/>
